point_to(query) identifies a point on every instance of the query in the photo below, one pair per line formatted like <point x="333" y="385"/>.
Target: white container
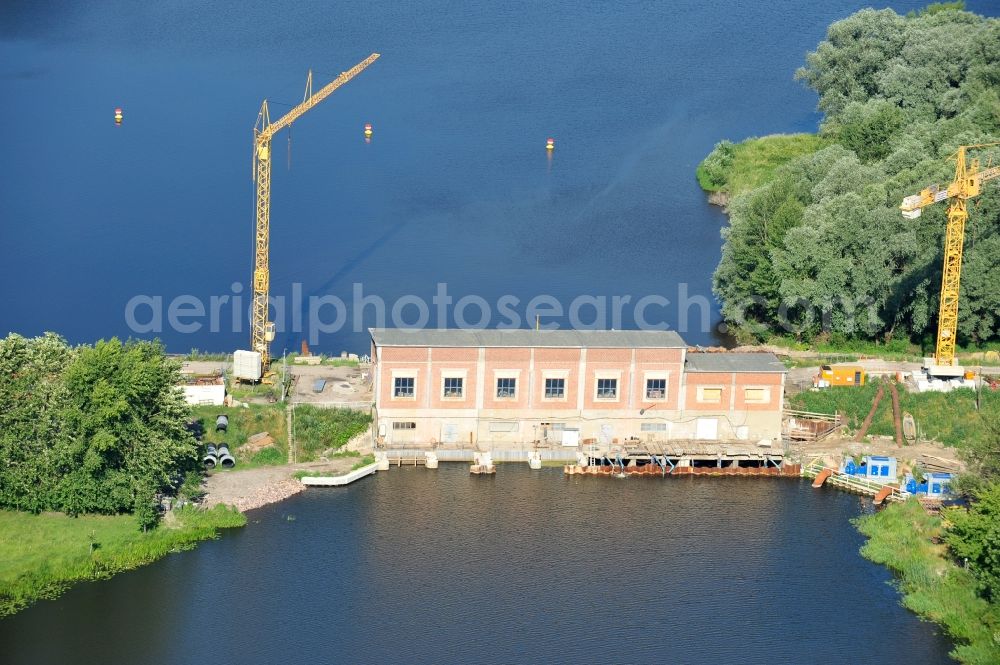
<point x="247" y="365"/>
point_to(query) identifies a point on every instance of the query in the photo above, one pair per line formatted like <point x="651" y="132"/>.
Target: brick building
<point x="567" y="387"/>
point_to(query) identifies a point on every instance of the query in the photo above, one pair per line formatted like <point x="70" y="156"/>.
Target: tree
<point x="974" y="537"/>
<point x="867" y="129"/>
<point x="823" y="245"/>
<point x="89" y="429"/>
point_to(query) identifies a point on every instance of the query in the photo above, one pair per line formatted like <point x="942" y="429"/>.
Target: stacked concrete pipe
<point x="211" y="458"/>
<point x="225" y="459"/>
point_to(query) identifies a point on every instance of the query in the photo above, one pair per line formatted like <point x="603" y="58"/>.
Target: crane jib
<point x="261" y="329"/>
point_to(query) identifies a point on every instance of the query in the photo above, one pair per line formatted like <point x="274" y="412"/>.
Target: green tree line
<point x="821" y="248"/>
<point x="90" y="429"/>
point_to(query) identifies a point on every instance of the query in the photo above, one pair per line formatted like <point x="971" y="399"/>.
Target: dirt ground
<point x="833" y="450"/>
<point x="252" y="488"/>
<point x="344" y="385"/>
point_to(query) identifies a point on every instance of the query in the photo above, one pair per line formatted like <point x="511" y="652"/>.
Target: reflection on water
<point x="424" y="566"/>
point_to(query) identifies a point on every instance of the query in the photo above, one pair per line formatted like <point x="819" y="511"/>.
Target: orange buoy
<point x="118" y="116"/>
<point x="550" y="144"/>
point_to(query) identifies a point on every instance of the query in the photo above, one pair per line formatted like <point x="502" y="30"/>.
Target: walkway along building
<point x="565" y="387"/>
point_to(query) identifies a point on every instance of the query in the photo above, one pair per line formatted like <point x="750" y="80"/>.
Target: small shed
<point x="872" y="467"/>
<point x="879" y="466"/>
<point x="937" y="484"/>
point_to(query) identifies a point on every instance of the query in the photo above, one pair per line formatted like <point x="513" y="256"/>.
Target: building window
<point x="656" y="388"/>
<point x="404" y="425"/>
<point x="503" y="426"/>
<point x="710" y="395"/>
<point x="756" y="395"/>
<point x="506" y="388"/>
<point x="653" y="427"/>
<point x="402" y="386"/>
<point x="607" y="389"/>
<point x="555" y="388"/>
<point x="453" y="386"/>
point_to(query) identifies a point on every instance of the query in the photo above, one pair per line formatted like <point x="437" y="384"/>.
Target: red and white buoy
<point x="118" y="116"/>
<point x="550" y="144"/>
<point x="368" y="130"/>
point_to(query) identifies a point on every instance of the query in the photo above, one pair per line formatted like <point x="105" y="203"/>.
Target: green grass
<point x="904" y="538"/>
<point x="197" y="354"/>
<point x="42" y="555"/>
<point x="364" y="461"/>
<point x="244" y="422"/>
<point x="737" y="168"/>
<point x="895" y="350"/>
<point x="950" y="418"/>
<point x="340" y="362"/>
<point x="318" y="429"/>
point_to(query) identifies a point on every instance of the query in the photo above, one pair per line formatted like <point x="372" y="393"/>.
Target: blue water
<point x="455" y="188"/>
<point x="419" y="566"/>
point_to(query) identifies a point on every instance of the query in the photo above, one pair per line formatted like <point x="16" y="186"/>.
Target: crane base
<point x="943" y="371"/>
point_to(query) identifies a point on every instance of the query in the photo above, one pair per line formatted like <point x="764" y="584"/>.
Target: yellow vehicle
<point x="841" y="375"/>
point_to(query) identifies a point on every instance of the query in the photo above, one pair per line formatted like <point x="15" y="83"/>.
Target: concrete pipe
<point x="222" y="423"/>
<point x="225" y="459"/>
<point x="211" y="457"/>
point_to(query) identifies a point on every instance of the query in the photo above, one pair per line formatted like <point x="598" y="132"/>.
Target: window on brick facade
<point x="555" y="388"/>
<point x="755" y="395"/>
<point x="506" y="388"/>
<point x="402" y="386"/>
<point x="710" y="394"/>
<point x="653" y="427"/>
<point x="607" y="388"/>
<point x="453" y="386"/>
<point x="656" y="388"/>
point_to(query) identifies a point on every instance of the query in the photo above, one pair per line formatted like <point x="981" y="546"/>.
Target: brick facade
<point x="470" y="393"/>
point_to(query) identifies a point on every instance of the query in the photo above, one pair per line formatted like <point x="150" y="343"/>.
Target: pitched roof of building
<point x="734" y="362"/>
<point x="570" y="339"/>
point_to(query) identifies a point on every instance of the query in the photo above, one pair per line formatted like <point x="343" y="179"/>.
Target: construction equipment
<point x="969" y="178"/>
<point x="261" y="329"/>
<point x="840" y="375"/>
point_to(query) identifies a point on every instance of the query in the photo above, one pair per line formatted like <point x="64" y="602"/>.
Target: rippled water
<point x="424" y="566"/>
<point x="454" y="188"/>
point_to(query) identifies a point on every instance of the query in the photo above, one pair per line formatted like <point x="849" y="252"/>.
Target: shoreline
<point x="250" y="489"/>
<point x="115" y="545"/>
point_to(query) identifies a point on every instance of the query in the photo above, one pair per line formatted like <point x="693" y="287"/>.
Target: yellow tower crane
<point x="261" y="329"/>
<point x="969" y="179"/>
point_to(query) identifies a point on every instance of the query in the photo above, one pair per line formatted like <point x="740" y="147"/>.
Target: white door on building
<point x="449" y="433"/>
<point x="571" y="437"/>
<point x="707" y="428"/>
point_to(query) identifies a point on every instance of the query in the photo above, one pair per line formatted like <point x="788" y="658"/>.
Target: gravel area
<point x="247" y="489"/>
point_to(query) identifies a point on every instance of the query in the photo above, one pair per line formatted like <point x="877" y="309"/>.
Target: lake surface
<point x="455" y="188"/>
<point x="424" y="566"/>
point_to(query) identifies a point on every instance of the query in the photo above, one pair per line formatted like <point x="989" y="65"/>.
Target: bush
<point x="974" y="536"/>
<point x="317" y="429"/>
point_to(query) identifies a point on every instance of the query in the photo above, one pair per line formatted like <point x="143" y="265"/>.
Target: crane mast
<point x="261" y="329"/>
<point x="969" y="179"/>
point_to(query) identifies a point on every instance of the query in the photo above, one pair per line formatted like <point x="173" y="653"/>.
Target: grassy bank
<point x="897" y="349"/>
<point x="243" y="423"/>
<point x="734" y="168"/>
<point x="42" y="555"/>
<point x="904" y="538"/>
<point x="950" y="418"/>
<point x="318" y="429"/>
